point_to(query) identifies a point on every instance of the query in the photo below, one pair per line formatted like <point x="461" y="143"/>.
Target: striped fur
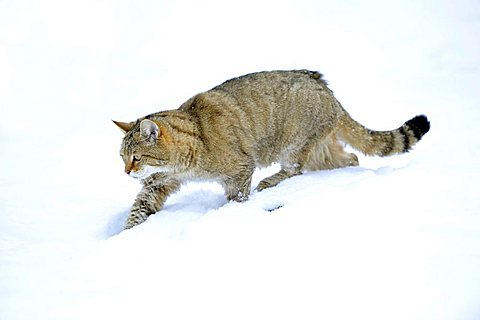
<point x="289" y="117"/>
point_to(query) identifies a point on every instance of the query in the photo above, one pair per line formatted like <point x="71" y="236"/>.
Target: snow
<point x="395" y="238"/>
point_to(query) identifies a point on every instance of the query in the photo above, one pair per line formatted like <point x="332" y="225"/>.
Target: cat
<point x="288" y="117"/>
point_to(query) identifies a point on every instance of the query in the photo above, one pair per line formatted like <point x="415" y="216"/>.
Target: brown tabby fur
<point x="289" y="117"/>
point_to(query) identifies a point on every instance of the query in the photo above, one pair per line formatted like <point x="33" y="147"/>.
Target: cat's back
<point x="294" y="90"/>
<point x="271" y="82"/>
<point x="269" y="96"/>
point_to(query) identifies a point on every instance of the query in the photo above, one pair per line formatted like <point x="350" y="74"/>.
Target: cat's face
<point x="144" y="149"/>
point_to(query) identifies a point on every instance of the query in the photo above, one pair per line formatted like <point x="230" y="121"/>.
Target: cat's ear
<point x="125" y="127"/>
<point x="149" y="130"/>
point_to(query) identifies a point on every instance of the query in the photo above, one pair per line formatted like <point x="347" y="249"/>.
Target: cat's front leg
<point x="237" y="188"/>
<point x="151" y="199"/>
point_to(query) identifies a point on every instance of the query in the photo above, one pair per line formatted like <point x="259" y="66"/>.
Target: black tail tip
<point x="419" y="125"/>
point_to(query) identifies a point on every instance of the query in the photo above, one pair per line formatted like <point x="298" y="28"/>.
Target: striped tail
<point x="382" y="143"/>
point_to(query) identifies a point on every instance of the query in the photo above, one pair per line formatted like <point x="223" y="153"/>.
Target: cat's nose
<point x="127" y="171"/>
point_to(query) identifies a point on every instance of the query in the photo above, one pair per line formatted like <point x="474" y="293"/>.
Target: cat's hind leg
<point x="329" y="154"/>
<point x="322" y="154"/>
<point x="278" y="177"/>
<point x="292" y="163"/>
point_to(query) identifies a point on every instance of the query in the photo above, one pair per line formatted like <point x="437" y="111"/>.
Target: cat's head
<point x="145" y="148"/>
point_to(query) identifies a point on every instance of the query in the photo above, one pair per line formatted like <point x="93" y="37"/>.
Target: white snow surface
<point x="395" y="238"/>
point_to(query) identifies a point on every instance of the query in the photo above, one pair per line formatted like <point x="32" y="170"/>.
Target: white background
<point x="396" y="238"/>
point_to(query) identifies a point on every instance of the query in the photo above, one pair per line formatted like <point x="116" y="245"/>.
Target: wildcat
<point x="289" y="117"/>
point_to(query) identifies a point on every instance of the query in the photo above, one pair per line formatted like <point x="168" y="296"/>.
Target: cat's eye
<point x="137" y="157"/>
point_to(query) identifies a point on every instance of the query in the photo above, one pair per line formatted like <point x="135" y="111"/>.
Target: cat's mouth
<point x="137" y="174"/>
<point x="147" y="171"/>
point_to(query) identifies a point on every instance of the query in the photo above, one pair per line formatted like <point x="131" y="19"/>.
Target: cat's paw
<point x="135" y="219"/>
<point x="263" y="185"/>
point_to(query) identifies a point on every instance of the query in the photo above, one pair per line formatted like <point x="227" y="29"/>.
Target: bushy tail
<point x="383" y="143"/>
